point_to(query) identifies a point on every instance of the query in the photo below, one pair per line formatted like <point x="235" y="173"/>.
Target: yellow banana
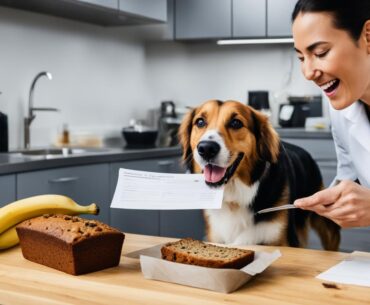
<point x="9" y="238"/>
<point x="27" y="208"/>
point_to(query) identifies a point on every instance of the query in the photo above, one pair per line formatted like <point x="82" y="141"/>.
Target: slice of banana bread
<point x="70" y="243"/>
<point x="195" y="252"/>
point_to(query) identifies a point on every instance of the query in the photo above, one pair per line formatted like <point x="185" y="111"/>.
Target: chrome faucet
<point x="30" y="112"/>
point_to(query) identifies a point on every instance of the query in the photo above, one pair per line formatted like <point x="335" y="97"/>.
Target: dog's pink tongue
<point x="213" y="173"/>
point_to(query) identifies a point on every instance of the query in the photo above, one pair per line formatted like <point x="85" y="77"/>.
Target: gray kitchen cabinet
<point x="320" y="149"/>
<point x="202" y="19"/>
<point x="262" y="18"/>
<point x="177" y="223"/>
<point x="249" y="18"/>
<point x="152" y="9"/>
<point x="279" y="14"/>
<point x="220" y="19"/>
<point x="354" y="239"/>
<point x="182" y="223"/>
<point x="84" y="184"/>
<point x="7" y="189"/>
<point x="102" y="12"/>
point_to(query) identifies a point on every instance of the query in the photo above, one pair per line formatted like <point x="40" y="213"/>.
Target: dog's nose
<point x="208" y="149"/>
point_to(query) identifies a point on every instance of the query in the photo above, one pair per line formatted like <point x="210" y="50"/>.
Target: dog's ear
<point x="184" y="138"/>
<point x="268" y="142"/>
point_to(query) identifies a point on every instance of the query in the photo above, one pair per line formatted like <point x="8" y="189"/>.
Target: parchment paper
<point x="221" y="280"/>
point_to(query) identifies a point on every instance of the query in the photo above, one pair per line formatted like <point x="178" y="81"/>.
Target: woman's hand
<point x="347" y="204"/>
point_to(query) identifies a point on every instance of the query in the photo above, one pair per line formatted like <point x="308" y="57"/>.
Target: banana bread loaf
<point x="195" y="252"/>
<point x="70" y="243"/>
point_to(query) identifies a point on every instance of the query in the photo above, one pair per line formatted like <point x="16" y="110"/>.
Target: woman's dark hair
<point x="348" y="15"/>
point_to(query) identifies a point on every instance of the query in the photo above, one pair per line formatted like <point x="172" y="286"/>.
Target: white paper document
<point x="354" y="270"/>
<point x="158" y="191"/>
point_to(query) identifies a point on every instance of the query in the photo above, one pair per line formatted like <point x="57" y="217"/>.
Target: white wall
<point x="192" y="73"/>
<point x="98" y="75"/>
<point x="102" y="77"/>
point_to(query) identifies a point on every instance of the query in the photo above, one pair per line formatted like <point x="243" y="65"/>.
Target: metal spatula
<point x="279" y="208"/>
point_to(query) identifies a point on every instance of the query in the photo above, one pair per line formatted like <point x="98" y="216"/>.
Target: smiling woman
<point x="332" y="57"/>
<point x="332" y="41"/>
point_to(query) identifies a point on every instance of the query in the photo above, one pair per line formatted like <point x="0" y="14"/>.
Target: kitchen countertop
<point x="11" y="163"/>
<point x="289" y="280"/>
<point x="302" y="133"/>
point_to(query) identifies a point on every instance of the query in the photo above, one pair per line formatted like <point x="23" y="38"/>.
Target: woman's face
<point x="331" y="58"/>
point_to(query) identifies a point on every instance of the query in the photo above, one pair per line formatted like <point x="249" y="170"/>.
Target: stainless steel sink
<point x="46" y="151"/>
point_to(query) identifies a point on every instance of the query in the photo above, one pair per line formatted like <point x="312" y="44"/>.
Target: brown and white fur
<point x="236" y="148"/>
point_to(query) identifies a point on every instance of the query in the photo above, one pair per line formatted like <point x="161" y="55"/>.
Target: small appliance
<point x="259" y="100"/>
<point x="168" y="124"/>
<point x="294" y="113"/>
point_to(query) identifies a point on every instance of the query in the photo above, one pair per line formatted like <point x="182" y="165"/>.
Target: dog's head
<point x="225" y="140"/>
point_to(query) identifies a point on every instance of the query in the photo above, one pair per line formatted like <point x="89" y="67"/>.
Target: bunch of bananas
<point x="18" y="211"/>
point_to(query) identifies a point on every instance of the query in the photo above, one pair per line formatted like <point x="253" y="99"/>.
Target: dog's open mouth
<point x="217" y="176"/>
<point x="214" y="173"/>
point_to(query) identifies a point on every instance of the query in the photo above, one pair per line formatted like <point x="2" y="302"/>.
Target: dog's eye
<point x="200" y="123"/>
<point x="235" y="124"/>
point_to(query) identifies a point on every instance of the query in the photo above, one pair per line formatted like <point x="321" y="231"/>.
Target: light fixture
<point x="255" y="41"/>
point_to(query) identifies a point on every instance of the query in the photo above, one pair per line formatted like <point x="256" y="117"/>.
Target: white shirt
<point x="351" y="133"/>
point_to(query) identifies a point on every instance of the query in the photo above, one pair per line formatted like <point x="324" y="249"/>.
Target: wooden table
<point x="289" y="280"/>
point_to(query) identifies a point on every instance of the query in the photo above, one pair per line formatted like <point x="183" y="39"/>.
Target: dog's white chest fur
<point x="234" y="224"/>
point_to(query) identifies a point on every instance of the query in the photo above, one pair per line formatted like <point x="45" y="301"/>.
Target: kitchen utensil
<point x="282" y="207"/>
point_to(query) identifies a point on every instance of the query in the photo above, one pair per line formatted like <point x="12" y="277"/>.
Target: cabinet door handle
<point x="64" y="179"/>
<point x="166" y="163"/>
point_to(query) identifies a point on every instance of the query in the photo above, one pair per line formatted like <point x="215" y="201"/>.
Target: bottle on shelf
<point x="65" y="135"/>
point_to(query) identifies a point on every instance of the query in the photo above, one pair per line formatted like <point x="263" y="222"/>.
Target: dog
<point x="236" y="148"/>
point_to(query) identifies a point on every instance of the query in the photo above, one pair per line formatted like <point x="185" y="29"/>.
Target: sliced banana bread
<point x="195" y="252"/>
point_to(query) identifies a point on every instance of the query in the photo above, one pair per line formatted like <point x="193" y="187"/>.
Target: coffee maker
<point x="299" y="108"/>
